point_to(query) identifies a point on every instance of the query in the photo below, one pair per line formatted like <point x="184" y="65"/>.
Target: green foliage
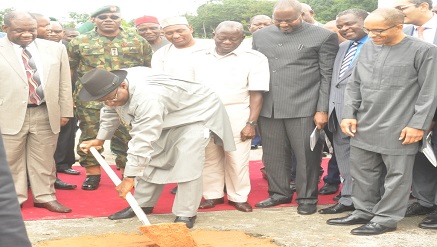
<point x="326" y="10"/>
<point x="212" y="13"/>
<point x="3" y="13"/>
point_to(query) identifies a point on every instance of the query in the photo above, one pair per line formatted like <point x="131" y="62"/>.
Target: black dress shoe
<point x="61" y="185"/>
<point x="270" y="202"/>
<point x="69" y="171"/>
<point x="128" y="213"/>
<point x="328" y="189"/>
<point x="432" y="217"/>
<point x="241" y="206"/>
<point x="337" y="197"/>
<point x="372" y="228"/>
<point x="189" y="221"/>
<point x="174" y="190"/>
<point x="417" y="209"/>
<point x="306" y="209"/>
<point x="91" y="182"/>
<point x="336" y="209"/>
<point x="347" y="220"/>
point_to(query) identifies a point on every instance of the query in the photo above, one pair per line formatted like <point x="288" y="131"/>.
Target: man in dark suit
<point x="12" y="230"/>
<point x="301" y="57"/>
<point x="350" y="24"/>
<point x="418" y="13"/>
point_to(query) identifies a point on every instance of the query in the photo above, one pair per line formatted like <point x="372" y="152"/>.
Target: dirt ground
<point x="283" y="225"/>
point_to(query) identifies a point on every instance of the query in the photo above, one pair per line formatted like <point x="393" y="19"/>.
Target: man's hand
<point x="125" y="187"/>
<point x="64" y="121"/>
<point x="411" y="135"/>
<point x="86" y="145"/>
<point x="349" y="126"/>
<point x="248" y="132"/>
<point x="320" y="119"/>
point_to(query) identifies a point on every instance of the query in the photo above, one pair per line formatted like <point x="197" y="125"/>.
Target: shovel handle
<point x="116" y="180"/>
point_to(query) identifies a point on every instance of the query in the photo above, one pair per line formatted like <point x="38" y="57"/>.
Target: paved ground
<point x="283" y="225"/>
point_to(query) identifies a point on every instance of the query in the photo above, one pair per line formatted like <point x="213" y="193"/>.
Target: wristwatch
<point x="252" y="123"/>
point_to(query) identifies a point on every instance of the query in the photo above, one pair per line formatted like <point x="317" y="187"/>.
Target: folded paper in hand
<point x="314" y="137"/>
<point x="428" y="151"/>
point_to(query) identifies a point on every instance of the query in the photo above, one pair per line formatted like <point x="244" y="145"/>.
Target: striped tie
<point x="36" y="94"/>
<point x="348" y="58"/>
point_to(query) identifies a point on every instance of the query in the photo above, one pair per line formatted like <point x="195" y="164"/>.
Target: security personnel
<point x="108" y="47"/>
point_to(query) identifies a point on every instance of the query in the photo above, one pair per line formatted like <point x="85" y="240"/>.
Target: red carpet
<point x="104" y="201"/>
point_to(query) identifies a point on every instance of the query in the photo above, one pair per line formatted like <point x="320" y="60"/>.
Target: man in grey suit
<point x="12" y="230"/>
<point x="418" y="13"/>
<point x="350" y="26"/>
<point x="389" y="104"/>
<point x="301" y="57"/>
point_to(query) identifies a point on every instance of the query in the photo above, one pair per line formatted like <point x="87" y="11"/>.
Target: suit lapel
<point x="9" y="55"/>
<point x="44" y="52"/>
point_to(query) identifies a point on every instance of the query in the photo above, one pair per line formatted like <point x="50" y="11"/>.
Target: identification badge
<point x="114" y="52"/>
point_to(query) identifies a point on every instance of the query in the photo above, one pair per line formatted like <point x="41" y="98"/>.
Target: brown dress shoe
<point x="53" y="206"/>
<point x="241" y="206"/>
<point x="210" y="203"/>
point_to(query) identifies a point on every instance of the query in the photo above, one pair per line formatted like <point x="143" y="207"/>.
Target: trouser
<point x="424" y="181"/>
<point x="89" y="123"/>
<point x="281" y="137"/>
<point x="64" y="154"/>
<point x="30" y="154"/>
<point x="366" y="168"/>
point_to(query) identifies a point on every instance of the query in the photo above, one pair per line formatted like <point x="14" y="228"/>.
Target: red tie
<point x="36" y="94"/>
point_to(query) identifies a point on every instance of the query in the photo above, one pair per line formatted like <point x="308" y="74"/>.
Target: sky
<point x="130" y="9"/>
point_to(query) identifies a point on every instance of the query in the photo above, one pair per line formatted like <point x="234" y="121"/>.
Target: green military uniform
<point x="92" y="50"/>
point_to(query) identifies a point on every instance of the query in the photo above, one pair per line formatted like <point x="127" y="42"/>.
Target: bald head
<point x="384" y="26"/>
<point x="258" y="22"/>
<point x="307" y="13"/>
<point x="288" y="4"/>
<point x="391" y="16"/>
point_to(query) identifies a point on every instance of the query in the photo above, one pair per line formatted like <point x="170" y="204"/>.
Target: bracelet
<point x="252" y="123"/>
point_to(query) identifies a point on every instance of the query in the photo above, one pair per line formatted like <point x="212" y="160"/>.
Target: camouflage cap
<point x="106" y="9"/>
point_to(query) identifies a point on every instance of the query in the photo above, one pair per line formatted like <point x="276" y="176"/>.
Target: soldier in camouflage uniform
<point x="108" y="47"/>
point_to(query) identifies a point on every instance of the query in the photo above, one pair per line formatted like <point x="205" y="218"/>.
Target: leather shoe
<point x="337" y="197"/>
<point x="91" y="182"/>
<point x="347" y="220"/>
<point x="69" y="171"/>
<point x="210" y="203"/>
<point x="241" y="206"/>
<point x="174" y="190"/>
<point x="417" y="209"/>
<point x="189" y="221"/>
<point x="61" y="185"/>
<point x="128" y="213"/>
<point x="372" y="228"/>
<point x="430" y="222"/>
<point x="53" y="206"/>
<point x="270" y="202"/>
<point x="306" y="209"/>
<point x="328" y="189"/>
<point x="336" y="209"/>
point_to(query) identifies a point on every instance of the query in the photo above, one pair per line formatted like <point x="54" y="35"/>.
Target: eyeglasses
<point x="377" y="31"/>
<point x="113" y="99"/>
<point x="112" y="17"/>
<point x="402" y="8"/>
<point x="286" y="21"/>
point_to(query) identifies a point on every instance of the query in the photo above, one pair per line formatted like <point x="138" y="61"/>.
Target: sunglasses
<point x="112" y="17"/>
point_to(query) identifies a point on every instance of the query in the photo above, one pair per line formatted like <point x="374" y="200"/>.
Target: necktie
<point x="36" y="94"/>
<point x="420" y="32"/>
<point x="348" y="58"/>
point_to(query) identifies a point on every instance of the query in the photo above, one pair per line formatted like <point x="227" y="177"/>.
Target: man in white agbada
<point x="171" y="120"/>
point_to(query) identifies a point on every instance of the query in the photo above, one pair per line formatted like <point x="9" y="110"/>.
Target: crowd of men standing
<point x="376" y="93"/>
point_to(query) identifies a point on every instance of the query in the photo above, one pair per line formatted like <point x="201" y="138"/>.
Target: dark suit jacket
<point x="338" y="85"/>
<point x="12" y="230"/>
<point x="300" y="69"/>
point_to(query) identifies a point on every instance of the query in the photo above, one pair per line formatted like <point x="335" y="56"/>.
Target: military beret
<point x="176" y="20"/>
<point x="106" y="9"/>
<point x="146" y="19"/>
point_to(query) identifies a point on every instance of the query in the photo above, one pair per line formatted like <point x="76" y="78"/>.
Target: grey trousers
<point x="281" y="138"/>
<point x="424" y="181"/>
<point x="366" y="168"/>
